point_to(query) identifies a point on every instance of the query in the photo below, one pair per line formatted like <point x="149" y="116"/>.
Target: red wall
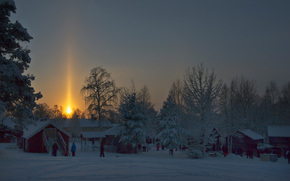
<point x="35" y="143"/>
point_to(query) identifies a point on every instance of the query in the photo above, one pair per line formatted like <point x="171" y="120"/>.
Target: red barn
<point x="39" y="138"/>
<point x="247" y="140"/>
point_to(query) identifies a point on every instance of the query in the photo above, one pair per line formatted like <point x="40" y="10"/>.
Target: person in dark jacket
<point x="54" y="149"/>
<point x="225" y="150"/>
<point x="73" y="149"/>
<point x="102" y="152"/>
<point x="288" y="155"/>
<point x="240" y="152"/>
<point x="249" y="153"/>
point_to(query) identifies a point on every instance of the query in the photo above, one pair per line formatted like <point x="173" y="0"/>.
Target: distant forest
<point x="199" y="94"/>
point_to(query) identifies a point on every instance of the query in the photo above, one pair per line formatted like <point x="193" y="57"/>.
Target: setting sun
<point x="68" y="111"/>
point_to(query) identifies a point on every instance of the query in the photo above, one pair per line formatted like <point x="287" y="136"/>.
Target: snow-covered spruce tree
<point x="17" y="96"/>
<point x="201" y="90"/>
<point x="137" y="119"/>
<point x="171" y="134"/>
<point x="132" y="125"/>
<point x="147" y="108"/>
<point x="100" y="93"/>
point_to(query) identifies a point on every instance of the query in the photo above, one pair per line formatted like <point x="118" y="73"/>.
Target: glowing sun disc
<point x="68" y="111"/>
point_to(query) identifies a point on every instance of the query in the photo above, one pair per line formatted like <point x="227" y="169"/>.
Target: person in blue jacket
<point x="73" y="149"/>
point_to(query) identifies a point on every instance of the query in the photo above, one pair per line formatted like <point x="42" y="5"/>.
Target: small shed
<point x="39" y="137"/>
<point x="108" y="137"/>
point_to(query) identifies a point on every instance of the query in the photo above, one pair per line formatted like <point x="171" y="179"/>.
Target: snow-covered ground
<point x="18" y="165"/>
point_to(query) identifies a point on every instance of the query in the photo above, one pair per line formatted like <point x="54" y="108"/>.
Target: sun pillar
<point x="69" y="82"/>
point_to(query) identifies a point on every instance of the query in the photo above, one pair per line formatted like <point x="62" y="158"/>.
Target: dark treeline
<point x="44" y="112"/>
<point x="199" y="99"/>
<point x="193" y="107"/>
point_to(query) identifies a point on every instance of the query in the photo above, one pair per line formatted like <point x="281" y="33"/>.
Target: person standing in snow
<point x="102" y="153"/>
<point x="73" y="149"/>
<point x="288" y="155"/>
<point x="248" y="153"/>
<point x="54" y="149"/>
<point x="225" y="150"/>
<point x="240" y="152"/>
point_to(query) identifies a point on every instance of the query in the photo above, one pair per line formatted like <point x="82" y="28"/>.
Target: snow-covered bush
<point x="195" y="153"/>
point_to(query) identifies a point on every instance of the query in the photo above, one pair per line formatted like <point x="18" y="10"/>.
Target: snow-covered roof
<point x="115" y="130"/>
<point x="94" y="123"/>
<point x="100" y="134"/>
<point x="268" y="146"/>
<point x="251" y="134"/>
<point x="65" y="123"/>
<point x="35" y="128"/>
<point x="279" y="131"/>
<point x="87" y="123"/>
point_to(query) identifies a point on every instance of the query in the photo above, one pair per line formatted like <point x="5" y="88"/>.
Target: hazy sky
<point x="153" y="42"/>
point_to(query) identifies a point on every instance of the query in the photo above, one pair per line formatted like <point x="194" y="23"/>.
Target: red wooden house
<point x="247" y="140"/>
<point x="39" y="138"/>
<point x="279" y="138"/>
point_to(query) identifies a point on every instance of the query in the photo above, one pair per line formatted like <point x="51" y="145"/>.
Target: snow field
<point x="18" y="165"/>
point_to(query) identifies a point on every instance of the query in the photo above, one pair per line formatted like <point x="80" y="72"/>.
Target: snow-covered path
<point x="18" y="165"/>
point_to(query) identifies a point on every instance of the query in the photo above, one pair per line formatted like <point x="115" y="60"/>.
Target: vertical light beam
<point x="69" y="79"/>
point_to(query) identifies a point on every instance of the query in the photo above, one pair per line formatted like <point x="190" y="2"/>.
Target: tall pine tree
<point x="138" y="116"/>
<point x="17" y="96"/>
<point x="171" y="132"/>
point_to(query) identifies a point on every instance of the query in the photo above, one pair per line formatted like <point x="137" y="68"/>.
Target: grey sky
<point x="154" y="42"/>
